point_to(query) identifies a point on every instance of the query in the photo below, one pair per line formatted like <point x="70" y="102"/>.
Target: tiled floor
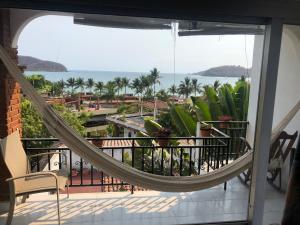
<point x="147" y="207"/>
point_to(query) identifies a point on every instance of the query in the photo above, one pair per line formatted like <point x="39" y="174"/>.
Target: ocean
<point x="166" y="80"/>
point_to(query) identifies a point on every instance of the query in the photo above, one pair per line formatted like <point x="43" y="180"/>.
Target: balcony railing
<point x="235" y="130"/>
<point x="176" y="156"/>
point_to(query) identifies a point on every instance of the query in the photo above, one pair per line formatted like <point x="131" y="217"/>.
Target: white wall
<point x="288" y="85"/>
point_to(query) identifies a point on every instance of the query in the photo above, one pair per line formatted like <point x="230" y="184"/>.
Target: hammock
<point x="115" y="168"/>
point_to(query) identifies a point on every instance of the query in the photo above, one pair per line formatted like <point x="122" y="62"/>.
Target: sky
<point x="81" y="47"/>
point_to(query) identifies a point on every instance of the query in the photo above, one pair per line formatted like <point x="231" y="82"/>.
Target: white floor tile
<point x="146" y="207"/>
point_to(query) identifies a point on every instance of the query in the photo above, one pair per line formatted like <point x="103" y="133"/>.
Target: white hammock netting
<point x="115" y="168"/>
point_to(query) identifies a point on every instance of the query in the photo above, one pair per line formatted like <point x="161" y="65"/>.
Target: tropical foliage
<point x="33" y="126"/>
<point x="185" y="87"/>
<point x="214" y="103"/>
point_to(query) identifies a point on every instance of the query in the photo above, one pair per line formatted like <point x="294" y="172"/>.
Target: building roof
<point x="159" y="105"/>
<point x="119" y="143"/>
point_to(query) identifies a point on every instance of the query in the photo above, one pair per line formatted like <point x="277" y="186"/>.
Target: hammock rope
<point x="58" y="128"/>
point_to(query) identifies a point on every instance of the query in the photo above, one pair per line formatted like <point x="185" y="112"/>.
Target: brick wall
<point x="10" y="114"/>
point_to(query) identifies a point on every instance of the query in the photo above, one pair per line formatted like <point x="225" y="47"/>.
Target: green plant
<point x="113" y="130"/>
<point x="154" y="78"/>
<point x="33" y="126"/>
<point x="90" y="84"/>
<point x="202" y="109"/>
<point x="183" y="121"/>
<point x="173" y="89"/>
<point x="71" y="83"/>
<point x="125" y="83"/>
<point x="185" y="87"/>
<point x="196" y="86"/>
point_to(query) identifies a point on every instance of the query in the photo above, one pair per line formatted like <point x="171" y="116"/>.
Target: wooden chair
<point x="22" y="182"/>
<point x="279" y="152"/>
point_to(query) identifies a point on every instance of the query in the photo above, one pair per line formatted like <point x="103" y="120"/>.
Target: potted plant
<point x="205" y="130"/>
<point x="224" y="119"/>
<point x="163" y="133"/>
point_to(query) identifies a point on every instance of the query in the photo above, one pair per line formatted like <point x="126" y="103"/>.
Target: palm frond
<point x="183" y="121"/>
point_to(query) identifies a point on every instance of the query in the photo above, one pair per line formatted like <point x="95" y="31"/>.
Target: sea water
<point x="166" y="79"/>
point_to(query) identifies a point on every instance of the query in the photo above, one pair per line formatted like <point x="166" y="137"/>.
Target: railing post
<point x="171" y="163"/>
<point x="190" y="161"/>
<point x="25" y="145"/>
<point x="143" y="160"/>
<point x="180" y="162"/>
<point x="152" y="159"/>
<point x="81" y="168"/>
<point x="112" y="178"/>
<point x="122" y="183"/>
<point x="162" y="161"/>
<point x="132" y="162"/>
<point x="71" y="175"/>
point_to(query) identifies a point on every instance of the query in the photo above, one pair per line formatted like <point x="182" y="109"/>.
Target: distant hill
<point x="225" y="71"/>
<point x="34" y="64"/>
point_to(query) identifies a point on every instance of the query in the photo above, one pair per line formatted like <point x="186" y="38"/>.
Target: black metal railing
<point x="172" y="156"/>
<point x="235" y="130"/>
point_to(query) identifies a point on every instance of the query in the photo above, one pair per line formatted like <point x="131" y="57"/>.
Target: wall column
<point x="264" y="119"/>
<point x="10" y="112"/>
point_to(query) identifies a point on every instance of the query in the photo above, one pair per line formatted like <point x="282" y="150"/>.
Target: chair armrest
<point x="33" y="175"/>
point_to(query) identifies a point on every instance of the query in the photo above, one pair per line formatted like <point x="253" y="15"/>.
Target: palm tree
<point x="217" y="84"/>
<point x="118" y="84"/>
<point x="90" y="84"/>
<point x="61" y="85"/>
<point x="56" y="88"/>
<point x="196" y="86"/>
<point x="79" y="82"/>
<point x="185" y="87"/>
<point x="154" y="78"/>
<point x="136" y="86"/>
<point x="173" y="89"/>
<point x="125" y="83"/>
<point x="99" y="86"/>
<point x="183" y="120"/>
<point x="71" y="82"/>
<point x="110" y="91"/>
<point x="162" y="95"/>
<point x="145" y="82"/>
<point x="38" y="81"/>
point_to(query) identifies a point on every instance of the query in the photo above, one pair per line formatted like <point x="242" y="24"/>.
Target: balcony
<point x="97" y="198"/>
<point x="174" y="156"/>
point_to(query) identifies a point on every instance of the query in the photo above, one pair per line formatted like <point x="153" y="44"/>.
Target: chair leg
<point x="68" y="194"/>
<point x="24" y="197"/>
<point x="11" y="210"/>
<point x="280" y="179"/>
<point x="58" y="210"/>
